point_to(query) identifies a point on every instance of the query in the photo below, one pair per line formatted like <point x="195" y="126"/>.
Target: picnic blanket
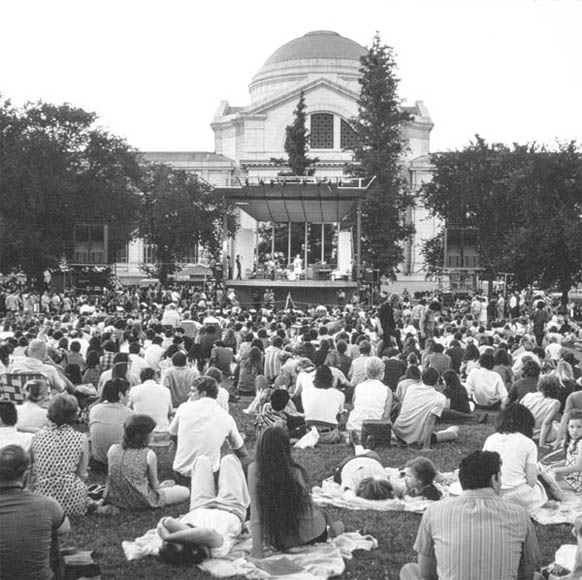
<point x="568" y="510"/>
<point x="316" y="562"/>
<point x="330" y="493"/>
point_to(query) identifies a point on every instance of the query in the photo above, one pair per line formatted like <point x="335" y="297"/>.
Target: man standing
<point x="29" y="521"/>
<point x="238" y="267"/>
<point x="477" y="535"/>
<point x="388" y="322"/>
<point x="202" y="427"/>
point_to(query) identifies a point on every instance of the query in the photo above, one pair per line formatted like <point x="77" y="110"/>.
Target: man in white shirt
<point x="202" y="427"/>
<point x="170" y="317"/>
<point x="151" y="398"/>
<point x="138" y="363"/>
<point x="484" y="385"/>
<point x="34" y="363"/>
<point x="154" y="353"/>
<point x="421" y="407"/>
<point x="8" y="433"/>
<point x="357" y="372"/>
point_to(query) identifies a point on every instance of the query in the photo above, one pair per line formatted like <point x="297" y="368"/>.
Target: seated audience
<point x="151" y="398"/>
<point x="30" y="522"/>
<point x="106" y="420"/>
<point x="60" y="457"/>
<point x="9" y="435"/>
<point x="178" y="378"/>
<point x="421" y="407"/>
<point x="282" y="514"/>
<point x="485" y="386"/>
<point x="372" y="399"/>
<point x="132" y="477"/>
<point x="519" y="457"/>
<point x="32" y="414"/>
<point x="323" y="406"/>
<point x="453" y="530"/>
<point x="569" y="472"/>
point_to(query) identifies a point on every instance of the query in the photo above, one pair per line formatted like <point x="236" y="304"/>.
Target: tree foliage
<point x="178" y="211"/>
<point x="57" y="168"/>
<point x="526" y="202"/>
<point x="297" y="140"/>
<point x="379" y="146"/>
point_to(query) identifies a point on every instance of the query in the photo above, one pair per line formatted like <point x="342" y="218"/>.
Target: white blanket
<point x="330" y="493"/>
<point x="569" y="509"/>
<point x="316" y="562"/>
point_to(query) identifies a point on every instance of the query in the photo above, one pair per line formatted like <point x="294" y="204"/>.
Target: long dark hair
<point x="282" y="487"/>
<point x="516" y="419"/>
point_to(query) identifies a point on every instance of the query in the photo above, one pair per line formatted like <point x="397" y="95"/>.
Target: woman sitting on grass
<point x="132" y="480"/>
<point x="372" y="399"/>
<point x="60" y="456"/>
<point x="282" y="513"/>
<point x="519" y="457"/>
<point x="324" y="406"/>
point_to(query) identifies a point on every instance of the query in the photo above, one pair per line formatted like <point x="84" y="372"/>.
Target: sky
<point x="155" y="72"/>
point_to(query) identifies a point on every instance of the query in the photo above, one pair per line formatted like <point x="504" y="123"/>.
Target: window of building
<point x="189" y="254"/>
<point x="149" y="253"/>
<point x="348" y="136"/>
<point x="121" y="255"/>
<point x="321" y="133"/>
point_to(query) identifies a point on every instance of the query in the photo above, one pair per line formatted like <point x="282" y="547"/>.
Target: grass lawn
<point x="395" y="531"/>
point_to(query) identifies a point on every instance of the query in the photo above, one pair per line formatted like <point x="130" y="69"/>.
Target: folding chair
<point x="12" y="385"/>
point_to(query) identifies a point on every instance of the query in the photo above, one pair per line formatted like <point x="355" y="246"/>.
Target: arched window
<point x="348" y="136"/>
<point x="321" y="133"/>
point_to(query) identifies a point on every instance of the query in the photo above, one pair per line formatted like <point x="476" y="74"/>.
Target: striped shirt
<point x="477" y="536"/>
<point x="272" y="362"/>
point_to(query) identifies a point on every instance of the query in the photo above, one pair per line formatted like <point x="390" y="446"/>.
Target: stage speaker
<point x="372" y="276"/>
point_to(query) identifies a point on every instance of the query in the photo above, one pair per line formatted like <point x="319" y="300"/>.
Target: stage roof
<point x="297" y="199"/>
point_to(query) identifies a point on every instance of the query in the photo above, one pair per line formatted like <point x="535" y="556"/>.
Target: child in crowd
<point x="364" y="476"/>
<point x="569" y="473"/>
<point x="279" y="411"/>
<point x="419" y="476"/>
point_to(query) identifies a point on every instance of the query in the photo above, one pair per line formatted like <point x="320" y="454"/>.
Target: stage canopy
<point x="297" y="199"/>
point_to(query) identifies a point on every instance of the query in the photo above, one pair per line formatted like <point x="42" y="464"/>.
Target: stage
<point x="304" y="293"/>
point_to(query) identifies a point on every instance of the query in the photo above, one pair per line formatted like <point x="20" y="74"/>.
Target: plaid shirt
<point x="106" y="361"/>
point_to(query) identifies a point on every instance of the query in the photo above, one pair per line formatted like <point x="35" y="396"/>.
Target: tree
<point x="297" y="140"/>
<point x="379" y="147"/>
<point x="58" y="169"/>
<point x="524" y="200"/>
<point x="178" y="211"/>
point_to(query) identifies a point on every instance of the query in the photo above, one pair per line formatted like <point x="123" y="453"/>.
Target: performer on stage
<point x="297" y="266"/>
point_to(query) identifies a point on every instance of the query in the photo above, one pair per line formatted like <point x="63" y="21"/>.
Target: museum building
<point x="324" y="66"/>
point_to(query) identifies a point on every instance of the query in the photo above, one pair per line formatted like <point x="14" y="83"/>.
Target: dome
<point x="317" y="54"/>
<point x="318" y="44"/>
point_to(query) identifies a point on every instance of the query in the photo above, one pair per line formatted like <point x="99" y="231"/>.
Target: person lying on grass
<point x="364" y="476"/>
<point x="214" y="522"/>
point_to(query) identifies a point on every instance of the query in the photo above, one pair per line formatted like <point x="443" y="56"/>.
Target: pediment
<point x="273" y="102"/>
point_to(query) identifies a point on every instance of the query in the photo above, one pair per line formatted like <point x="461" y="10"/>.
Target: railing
<point x="340" y="182"/>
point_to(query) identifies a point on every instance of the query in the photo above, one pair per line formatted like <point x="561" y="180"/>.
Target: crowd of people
<point x="111" y="378"/>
